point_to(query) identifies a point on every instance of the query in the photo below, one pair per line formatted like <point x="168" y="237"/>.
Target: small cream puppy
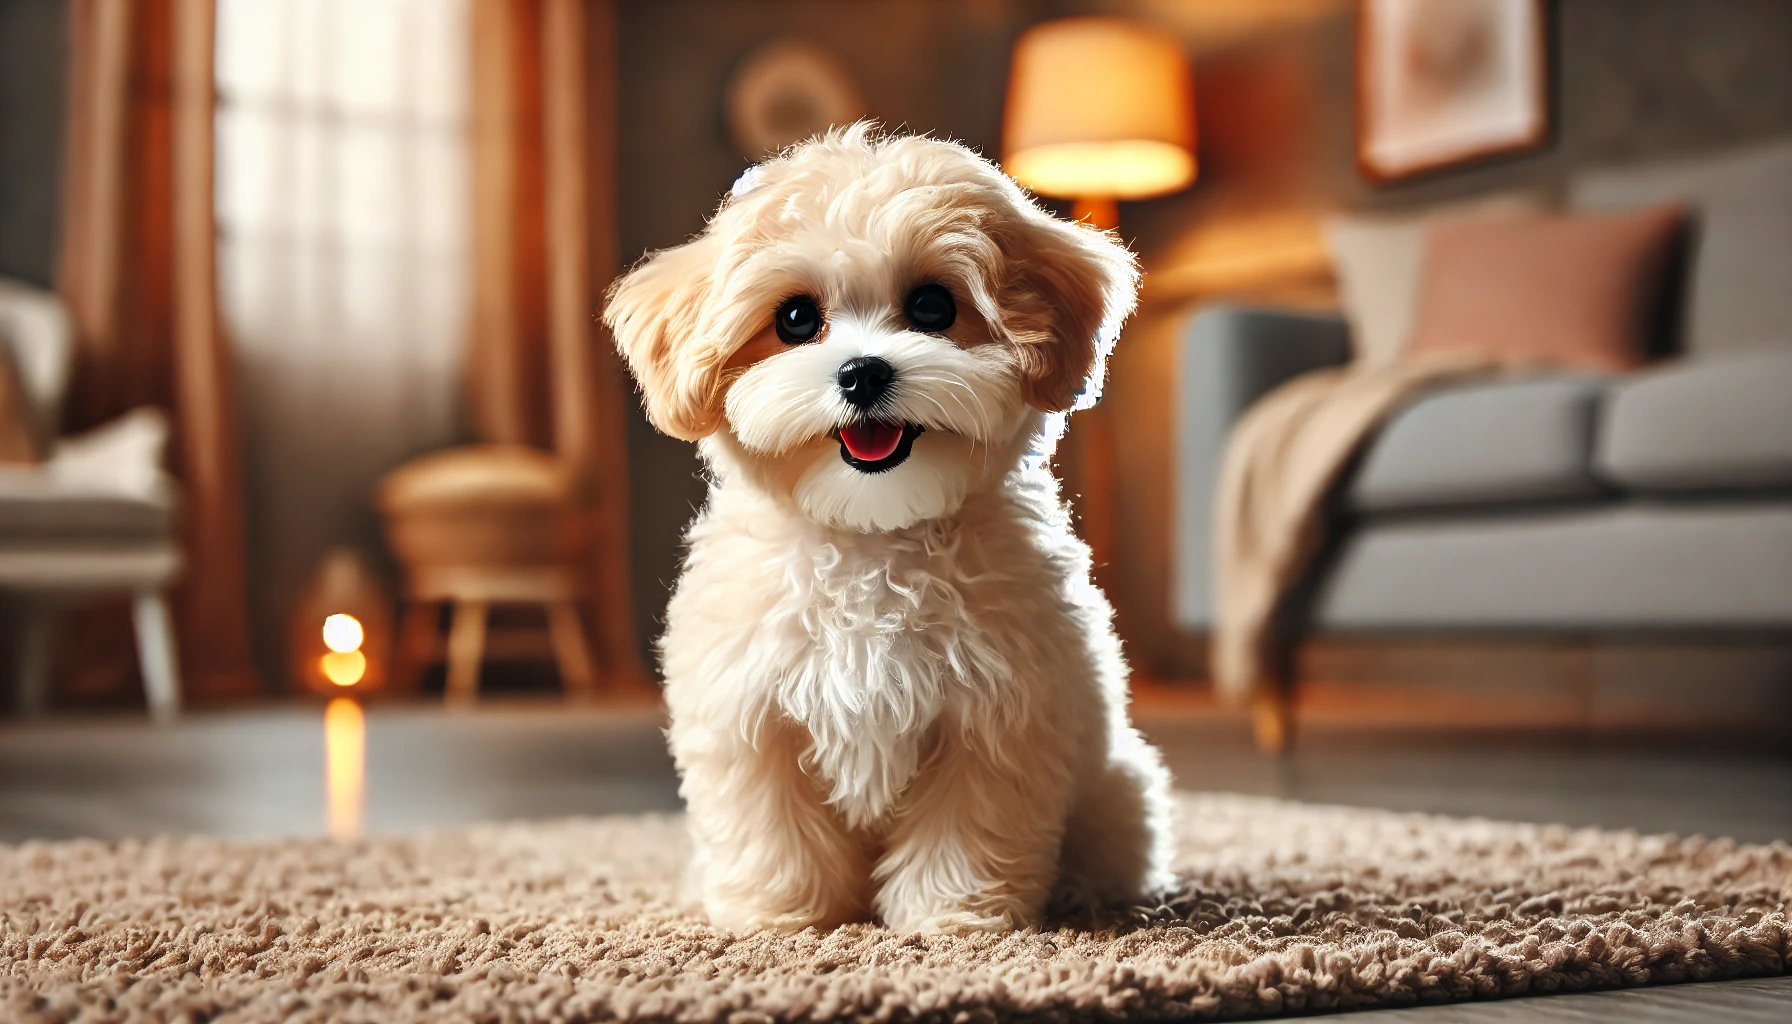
<point x="893" y="689"/>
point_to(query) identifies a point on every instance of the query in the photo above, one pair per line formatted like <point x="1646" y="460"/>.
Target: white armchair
<point x="95" y="517"/>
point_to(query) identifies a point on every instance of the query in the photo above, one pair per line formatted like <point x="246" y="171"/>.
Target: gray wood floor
<point x="260" y="773"/>
<point x="1756" y="1001"/>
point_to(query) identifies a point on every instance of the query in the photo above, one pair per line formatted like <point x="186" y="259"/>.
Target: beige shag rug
<point x="1283" y="908"/>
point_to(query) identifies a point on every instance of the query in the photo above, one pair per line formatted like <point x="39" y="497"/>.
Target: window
<point x="342" y="202"/>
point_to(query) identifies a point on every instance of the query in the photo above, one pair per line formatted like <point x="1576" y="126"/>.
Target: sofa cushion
<point x="1715" y="424"/>
<point x="1741" y="258"/>
<point x="1511" y="441"/>
<point x="34" y="507"/>
<point x="1615" y="565"/>
<point x="103" y="486"/>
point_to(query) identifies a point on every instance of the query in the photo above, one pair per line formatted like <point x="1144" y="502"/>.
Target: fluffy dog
<point x="893" y="688"/>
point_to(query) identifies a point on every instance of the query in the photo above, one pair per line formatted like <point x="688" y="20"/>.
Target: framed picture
<point x="1441" y="83"/>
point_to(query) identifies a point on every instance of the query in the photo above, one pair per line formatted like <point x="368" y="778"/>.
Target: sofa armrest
<point x="1230" y="356"/>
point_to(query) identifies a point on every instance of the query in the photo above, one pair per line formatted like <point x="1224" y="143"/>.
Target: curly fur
<point x="895" y="693"/>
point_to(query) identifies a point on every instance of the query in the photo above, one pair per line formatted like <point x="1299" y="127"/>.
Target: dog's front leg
<point x="769" y="851"/>
<point x="976" y="846"/>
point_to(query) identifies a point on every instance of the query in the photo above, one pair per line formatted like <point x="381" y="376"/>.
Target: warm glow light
<point x="1123" y="170"/>
<point x="345" y="765"/>
<point x="1099" y="108"/>
<point x="343" y="633"/>
<point x="344" y="668"/>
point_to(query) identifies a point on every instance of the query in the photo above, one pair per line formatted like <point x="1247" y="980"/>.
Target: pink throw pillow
<point x="1569" y="291"/>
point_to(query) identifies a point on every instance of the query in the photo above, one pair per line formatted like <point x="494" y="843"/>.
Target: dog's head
<point x="872" y="327"/>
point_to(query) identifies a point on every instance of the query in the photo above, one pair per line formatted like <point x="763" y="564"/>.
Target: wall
<point x="33" y="60"/>
<point x="1632" y="80"/>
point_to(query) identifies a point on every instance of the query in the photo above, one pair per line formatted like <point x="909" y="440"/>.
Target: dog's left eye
<point x="930" y="308"/>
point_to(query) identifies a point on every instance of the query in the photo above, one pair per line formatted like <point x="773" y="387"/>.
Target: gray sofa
<point x="1569" y="502"/>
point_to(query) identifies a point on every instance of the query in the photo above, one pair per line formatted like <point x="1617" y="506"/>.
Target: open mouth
<point x="873" y="446"/>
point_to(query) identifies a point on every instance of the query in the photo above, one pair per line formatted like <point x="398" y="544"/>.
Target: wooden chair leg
<point x="36" y="630"/>
<point x="156" y="655"/>
<point x="466" y="649"/>
<point x="571" y="652"/>
<point x="416" y="644"/>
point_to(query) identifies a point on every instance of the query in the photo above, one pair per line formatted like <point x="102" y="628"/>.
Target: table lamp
<point x="1099" y="110"/>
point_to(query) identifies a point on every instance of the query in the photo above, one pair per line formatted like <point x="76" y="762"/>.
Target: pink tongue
<point x="871" y="442"/>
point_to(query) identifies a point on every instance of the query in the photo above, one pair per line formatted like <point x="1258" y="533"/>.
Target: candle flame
<point x="345" y="765"/>
<point x="343" y="633"/>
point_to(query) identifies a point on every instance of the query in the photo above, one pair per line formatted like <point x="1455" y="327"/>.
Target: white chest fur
<point x="872" y="641"/>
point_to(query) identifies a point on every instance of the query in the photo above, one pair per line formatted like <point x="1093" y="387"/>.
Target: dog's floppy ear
<point x="1072" y="288"/>
<point x="654" y="313"/>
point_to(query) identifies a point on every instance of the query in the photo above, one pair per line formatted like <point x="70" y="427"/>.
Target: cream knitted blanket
<point x="1282" y="462"/>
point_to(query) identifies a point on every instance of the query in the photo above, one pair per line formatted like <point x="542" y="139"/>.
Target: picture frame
<point x="1442" y="85"/>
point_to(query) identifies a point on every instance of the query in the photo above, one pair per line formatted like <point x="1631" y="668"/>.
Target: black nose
<point x="865" y="381"/>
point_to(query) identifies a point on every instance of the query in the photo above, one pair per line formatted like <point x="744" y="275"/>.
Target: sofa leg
<point x="1272" y="718"/>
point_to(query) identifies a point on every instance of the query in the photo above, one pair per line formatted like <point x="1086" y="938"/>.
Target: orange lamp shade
<point x="1099" y="108"/>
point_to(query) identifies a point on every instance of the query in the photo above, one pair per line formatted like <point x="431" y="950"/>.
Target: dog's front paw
<point x="998" y="914"/>
<point x="742" y="918"/>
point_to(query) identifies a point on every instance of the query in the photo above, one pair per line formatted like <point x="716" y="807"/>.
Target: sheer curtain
<point x="342" y="203"/>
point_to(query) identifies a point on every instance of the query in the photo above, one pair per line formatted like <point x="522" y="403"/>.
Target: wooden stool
<point x="486" y="525"/>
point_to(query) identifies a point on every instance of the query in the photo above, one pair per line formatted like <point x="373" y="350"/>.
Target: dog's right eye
<point x="798" y="320"/>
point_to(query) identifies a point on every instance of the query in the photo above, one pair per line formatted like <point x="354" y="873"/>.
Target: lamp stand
<point x="1100" y="213"/>
<point x="1086" y="460"/>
